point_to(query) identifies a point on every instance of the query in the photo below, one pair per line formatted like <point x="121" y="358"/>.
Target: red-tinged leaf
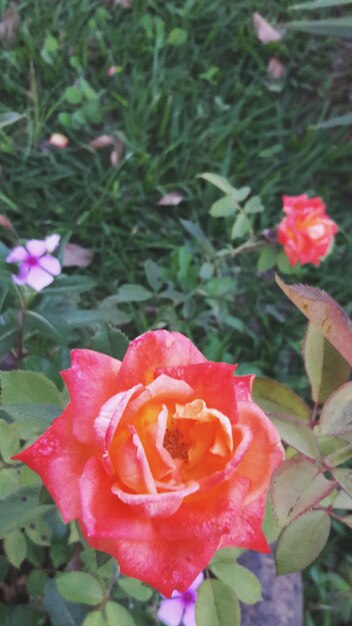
<point x="301" y="542"/>
<point x="326" y="369"/>
<point x="342" y="501"/>
<point x="347" y="520"/>
<point x="264" y="31"/>
<point x="296" y="487"/>
<point x="323" y="312"/>
<point x="344" y="478"/>
<point x="336" y="415"/>
<point x="171" y="199"/>
<point x="101" y="142"/>
<point x="77" y="256"/>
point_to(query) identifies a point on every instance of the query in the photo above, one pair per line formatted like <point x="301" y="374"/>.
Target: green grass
<point x="204" y="105"/>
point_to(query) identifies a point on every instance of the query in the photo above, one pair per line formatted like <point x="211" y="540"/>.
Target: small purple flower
<point x="180" y="609"/>
<point x="36" y="268"/>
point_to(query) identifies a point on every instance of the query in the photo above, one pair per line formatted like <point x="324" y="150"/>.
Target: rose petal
<point x="17" y="255"/>
<point x="59" y="459"/>
<point x="50" y="264"/>
<point x="247" y="531"/>
<point x="158" y="505"/>
<point x="265" y="452"/>
<point x="155" y="349"/>
<point x="21" y="277"/>
<point x="244" y="386"/>
<point x="170" y="611"/>
<point x="38" y="279"/>
<point x="265" y="31"/>
<point x="213" y="382"/>
<point x="90" y="381"/>
<point x="111" y="414"/>
<point x="132" y="466"/>
<point x="36" y="247"/>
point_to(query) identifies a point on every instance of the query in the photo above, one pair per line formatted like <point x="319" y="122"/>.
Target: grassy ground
<point x="183" y="102"/>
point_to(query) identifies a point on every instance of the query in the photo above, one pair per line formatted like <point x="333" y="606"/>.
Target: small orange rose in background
<point x="162" y="458"/>
<point x="306" y="232"/>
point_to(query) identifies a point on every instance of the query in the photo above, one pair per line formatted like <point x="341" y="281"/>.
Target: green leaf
<point x="297" y="435"/>
<point x="218" y="181"/>
<point x="9" y="440"/>
<point x="339" y="456"/>
<point x="339" y="120"/>
<point x="70" y="284"/>
<point x="39" y="532"/>
<point x="20" y="508"/>
<point x="80" y="587"/>
<point x="111" y="341"/>
<point x="59" y="612"/>
<point x="25" y="386"/>
<point x="38" y="416"/>
<point x="95" y="618"/>
<point x="73" y="95"/>
<point x="319" y="4"/>
<point x="301" y="542"/>
<point x="15" y="546"/>
<point x="177" y="37"/>
<point x="324" y="313"/>
<point x="274" y="397"/>
<point x="135" y="589"/>
<point x="117" y="614"/>
<point x="326" y="368"/>
<point x="342" y="501"/>
<point x="133" y="293"/>
<point x="198" y="234"/>
<point x="217" y="605"/>
<point x="9" y="482"/>
<point x="36" y="582"/>
<point x="336" y="415"/>
<point x="240" y="227"/>
<point x="254" y="205"/>
<point x="296" y="487"/>
<point x="225" y="207"/>
<point x="332" y="27"/>
<point x="266" y="259"/>
<point x="245" y="584"/>
<point x="38" y="323"/>
<point x="10" y="117"/>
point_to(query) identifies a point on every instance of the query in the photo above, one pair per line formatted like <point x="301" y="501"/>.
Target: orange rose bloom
<point x="162" y="458"/>
<point x="306" y="232"/>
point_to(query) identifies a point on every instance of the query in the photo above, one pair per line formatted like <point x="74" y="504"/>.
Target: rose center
<point x="175" y="443"/>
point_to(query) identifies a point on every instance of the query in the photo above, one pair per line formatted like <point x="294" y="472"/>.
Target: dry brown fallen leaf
<point x="101" y="142"/>
<point x="9" y="24"/>
<point x="126" y="4"/>
<point x="275" y="69"/>
<point x="265" y="31"/>
<point x="171" y="199"/>
<point x="77" y="256"/>
<point x="117" y="153"/>
<point x="5" y="222"/>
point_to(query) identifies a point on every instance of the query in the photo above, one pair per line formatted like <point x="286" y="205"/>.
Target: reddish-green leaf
<point x="296" y="487"/>
<point x="326" y="368"/>
<point x="274" y="397"/>
<point x="344" y="478"/>
<point x="336" y="415"/>
<point x="301" y="542"/>
<point x="323" y="312"/>
<point x="297" y="435"/>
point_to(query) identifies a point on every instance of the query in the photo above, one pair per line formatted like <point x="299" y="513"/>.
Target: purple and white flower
<point x="180" y="609"/>
<point x="36" y="267"/>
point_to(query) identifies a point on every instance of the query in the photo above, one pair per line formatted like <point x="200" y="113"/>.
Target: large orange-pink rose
<point x="306" y="232"/>
<point x="162" y="458"/>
